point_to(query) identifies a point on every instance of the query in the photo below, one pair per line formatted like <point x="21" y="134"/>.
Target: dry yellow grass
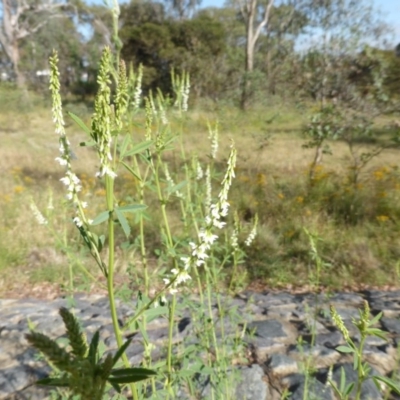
<point x="267" y="152"/>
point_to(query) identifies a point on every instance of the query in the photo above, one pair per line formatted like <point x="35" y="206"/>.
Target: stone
<point x="271" y="324"/>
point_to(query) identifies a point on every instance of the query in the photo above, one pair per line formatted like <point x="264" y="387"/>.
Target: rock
<point x="272" y="325"/>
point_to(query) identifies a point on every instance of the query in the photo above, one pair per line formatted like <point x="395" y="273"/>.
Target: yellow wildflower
<point x="261" y="179"/>
<point x="18" y="189"/>
<point x="382" y="218"/>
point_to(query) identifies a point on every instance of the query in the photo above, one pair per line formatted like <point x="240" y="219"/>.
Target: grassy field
<point x="355" y="227"/>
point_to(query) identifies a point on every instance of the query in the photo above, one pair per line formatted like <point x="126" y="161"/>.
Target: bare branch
<point x="264" y="22"/>
<point x="27" y="32"/>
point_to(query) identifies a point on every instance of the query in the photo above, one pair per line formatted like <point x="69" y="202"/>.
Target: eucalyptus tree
<point x="182" y="9"/>
<point x="340" y="29"/>
<point x="269" y="22"/>
<point x="21" y="19"/>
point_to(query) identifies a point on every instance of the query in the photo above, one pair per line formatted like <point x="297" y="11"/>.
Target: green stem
<point x="110" y="274"/>
<point x="234" y="271"/>
<point x="360" y="367"/>
<point x="170" y="246"/>
<point x="171" y="315"/>
<point x="141" y="229"/>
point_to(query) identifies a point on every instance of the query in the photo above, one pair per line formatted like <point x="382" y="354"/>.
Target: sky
<point x="390" y="10"/>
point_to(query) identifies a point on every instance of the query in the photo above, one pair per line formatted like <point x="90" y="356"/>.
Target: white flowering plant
<point x="191" y="258"/>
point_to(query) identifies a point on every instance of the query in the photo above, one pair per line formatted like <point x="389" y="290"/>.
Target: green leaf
<point x="334" y="387"/>
<point x="139" y="148"/>
<point x="59" y="382"/>
<point x="102" y="217"/>
<point x="124" y="146"/>
<point x="177" y="187"/>
<point x="155" y="312"/>
<point x="79" y="122"/>
<point x="387" y="381"/>
<point x="349" y="389"/>
<point x="115" y="386"/>
<point x="132" y="208"/>
<point x="121" y="351"/>
<point x="130" y="375"/>
<point x="344" y="349"/>
<point x="124" y="222"/>
<point x="129" y="168"/>
<point x="191" y="370"/>
<point x="100" y="242"/>
<point x="94" y="344"/>
<point x="377" y="332"/>
<point x="130" y="371"/>
<point x="376" y="319"/>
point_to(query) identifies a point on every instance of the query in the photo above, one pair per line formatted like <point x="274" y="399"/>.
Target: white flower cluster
<point x="206" y="236"/>
<point x="137" y="94"/>
<point x="163" y="114"/>
<point x="171" y="182"/>
<point x="235" y="233"/>
<point x="207" y="203"/>
<point x="152" y="105"/>
<point x="199" y="171"/>
<point x="72" y="182"/>
<point x="252" y="233"/>
<point x="185" y="91"/>
<point x="101" y="121"/>
<point x="213" y="136"/>
<point x="234" y="240"/>
<point x="70" y="179"/>
<point x="103" y="146"/>
<point x="37" y="214"/>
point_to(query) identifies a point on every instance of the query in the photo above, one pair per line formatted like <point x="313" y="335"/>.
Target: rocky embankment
<point x="278" y="337"/>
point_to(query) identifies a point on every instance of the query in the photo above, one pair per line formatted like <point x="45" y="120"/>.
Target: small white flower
<point x="65" y="180"/>
<point x="84" y="204"/>
<point x="199" y="172"/>
<point x="253" y="233"/>
<point x="78" y="222"/>
<point x="234" y="239"/>
<point x="182" y="277"/>
<point x="171" y="182"/>
<point x="38" y="215"/>
<point x="61" y="161"/>
<point x="199" y="263"/>
<point x="75" y="179"/>
<point x="219" y="224"/>
<point x="186" y="262"/>
<point x="224" y="208"/>
<point x="106" y="170"/>
<point x="207" y="236"/>
<point x="213" y="136"/>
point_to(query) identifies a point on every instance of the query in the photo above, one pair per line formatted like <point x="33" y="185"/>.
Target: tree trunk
<point x="249" y="66"/>
<point x="249" y="11"/>
<point x="19" y="76"/>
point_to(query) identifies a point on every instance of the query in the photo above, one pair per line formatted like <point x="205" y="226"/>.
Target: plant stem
<point x="110" y="273"/>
